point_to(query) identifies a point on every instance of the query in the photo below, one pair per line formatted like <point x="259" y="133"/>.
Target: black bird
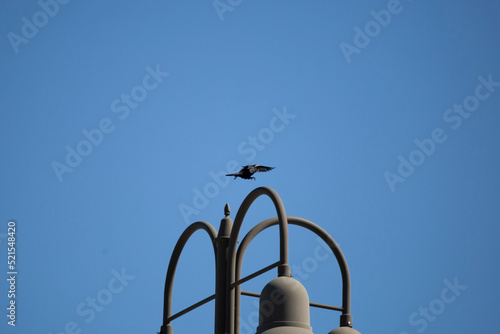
<point x="247" y="171"/>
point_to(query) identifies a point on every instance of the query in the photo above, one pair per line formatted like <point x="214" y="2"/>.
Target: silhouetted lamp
<point x="284" y="308"/>
<point x="284" y="302"/>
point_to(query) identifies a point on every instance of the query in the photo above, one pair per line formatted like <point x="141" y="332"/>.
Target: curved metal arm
<point x="172" y="266"/>
<point x="344" y="270"/>
<point x="283" y="269"/>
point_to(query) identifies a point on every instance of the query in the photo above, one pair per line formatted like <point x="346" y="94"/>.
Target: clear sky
<point x="119" y="119"/>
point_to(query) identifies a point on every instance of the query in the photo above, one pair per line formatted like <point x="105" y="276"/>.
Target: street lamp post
<point x="284" y="299"/>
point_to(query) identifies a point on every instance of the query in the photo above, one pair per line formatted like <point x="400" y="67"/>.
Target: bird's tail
<point x="230" y="174"/>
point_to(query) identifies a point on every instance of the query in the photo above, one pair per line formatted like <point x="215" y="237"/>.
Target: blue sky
<point x="119" y="119"/>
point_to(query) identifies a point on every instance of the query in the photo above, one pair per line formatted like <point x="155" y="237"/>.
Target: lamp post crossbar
<point x="255" y="274"/>
<point x="190" y="308"/>
<point x="328" y="307"/>
<point x="250" y="294"/>
<point x="312" y="304"/>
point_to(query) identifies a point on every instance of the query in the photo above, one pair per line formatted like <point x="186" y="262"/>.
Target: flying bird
<point x="247" y="171"/>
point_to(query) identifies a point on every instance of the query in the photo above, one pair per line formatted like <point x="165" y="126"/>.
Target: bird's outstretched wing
<point x="259" y="168"/>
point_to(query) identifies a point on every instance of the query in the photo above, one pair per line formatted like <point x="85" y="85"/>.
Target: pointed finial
<point x="226" y="225"/>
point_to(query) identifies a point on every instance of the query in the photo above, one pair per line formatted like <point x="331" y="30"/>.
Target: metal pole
<point x="221" y="283"/>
